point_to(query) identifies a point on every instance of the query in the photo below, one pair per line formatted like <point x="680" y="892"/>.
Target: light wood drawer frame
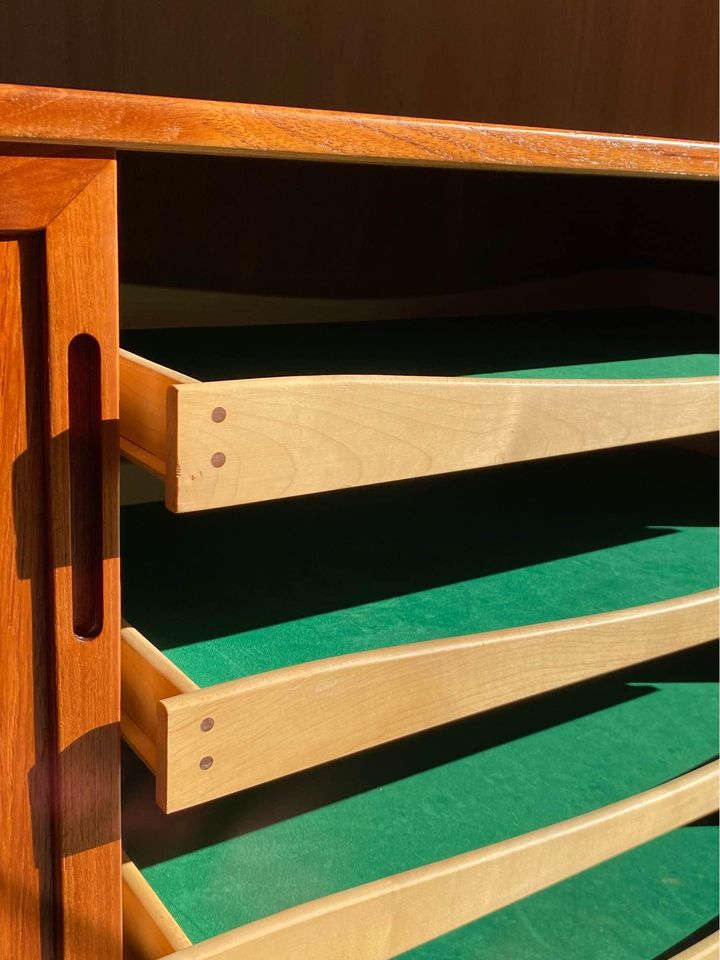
<point x="276" y="723"/>
<point x="385" y="918"/>
<point x="239" y="441"/>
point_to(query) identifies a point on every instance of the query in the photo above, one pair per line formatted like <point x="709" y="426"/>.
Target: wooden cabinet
<point x="440" y="648"/>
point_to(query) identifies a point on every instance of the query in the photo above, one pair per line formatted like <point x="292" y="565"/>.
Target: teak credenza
<point x="416" y="691"/>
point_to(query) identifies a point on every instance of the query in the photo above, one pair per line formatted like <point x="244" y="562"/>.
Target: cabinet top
<point x="86" y="118"/>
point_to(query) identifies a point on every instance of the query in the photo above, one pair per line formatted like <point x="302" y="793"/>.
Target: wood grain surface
<point x="149" y="930"/>
<point x="82" y="299"/>
<point x="70" y="289"/>
<point x="285" y="436"/>
<point x="707" y="949"/>
<point x="131" y="122"/>
<point x="32" y="193"/>
<point x="383" y="919"/>
<point x="147" y="678"/>
<point x="143" y="405"/>
<point x="28" y="880"/>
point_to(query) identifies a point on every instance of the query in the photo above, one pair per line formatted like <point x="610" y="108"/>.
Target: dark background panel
<point x="291" y="228"/>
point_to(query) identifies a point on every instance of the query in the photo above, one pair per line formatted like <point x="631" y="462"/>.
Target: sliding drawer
<point x="278" y="636"/>
<point x="302" y="409"/>
<point x="380" y="853"/>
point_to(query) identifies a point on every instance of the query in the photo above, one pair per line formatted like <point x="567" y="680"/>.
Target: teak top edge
<point x="86" y="118"/>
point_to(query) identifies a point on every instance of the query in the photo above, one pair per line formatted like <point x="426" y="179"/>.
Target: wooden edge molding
<point x="133" y="122"/>
<point x="287" y="436"/>
<point x="341" y="705"/>
<point x="385" y="918"/>
<point x="707" y="949"/>
<point x="149" y="929"/>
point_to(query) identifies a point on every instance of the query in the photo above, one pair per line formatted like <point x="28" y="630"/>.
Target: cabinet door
<point x="59" y="697"/>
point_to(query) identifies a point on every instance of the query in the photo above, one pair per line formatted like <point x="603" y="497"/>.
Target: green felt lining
<point x="232" y="593"/>
<point x="583" y="344"/>
<point x="457" y="789"/>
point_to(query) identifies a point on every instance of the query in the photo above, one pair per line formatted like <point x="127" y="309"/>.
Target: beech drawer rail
<point x="225" y="443"/>
<point x="205" y="743"/>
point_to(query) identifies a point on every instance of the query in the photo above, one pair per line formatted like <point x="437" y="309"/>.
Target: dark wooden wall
<point x="295" y="229"/>
<point x="342" y="231"/>
<point x="634" y="66"/>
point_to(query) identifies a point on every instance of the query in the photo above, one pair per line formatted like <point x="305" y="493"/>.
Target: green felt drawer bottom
<point x="231" y="594"/>
<point x="234" y="593"/>
<point x="453" y="790"/>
